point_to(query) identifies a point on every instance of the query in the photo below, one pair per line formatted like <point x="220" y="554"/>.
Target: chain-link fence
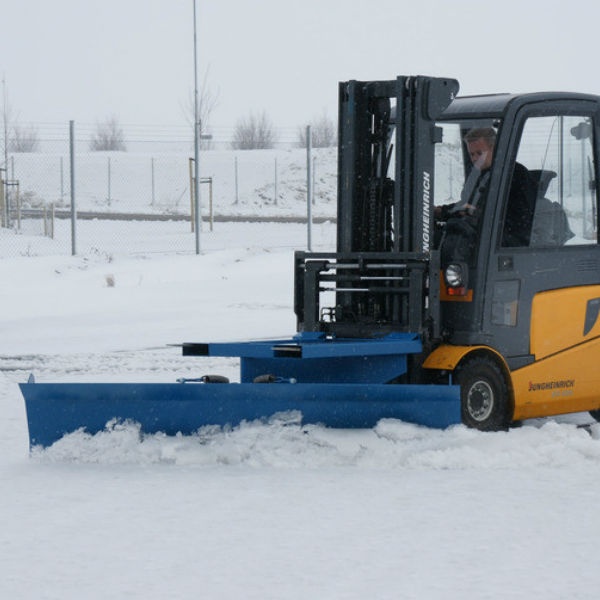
<point x="140" y="200"/>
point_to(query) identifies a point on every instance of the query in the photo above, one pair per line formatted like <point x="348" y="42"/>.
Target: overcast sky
<point x="89" y="59"/>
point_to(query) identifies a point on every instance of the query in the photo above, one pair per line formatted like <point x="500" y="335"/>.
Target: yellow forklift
<point x="514" y="318"/>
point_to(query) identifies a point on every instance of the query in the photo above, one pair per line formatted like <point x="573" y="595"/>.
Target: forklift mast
<point x="384" y="276"/>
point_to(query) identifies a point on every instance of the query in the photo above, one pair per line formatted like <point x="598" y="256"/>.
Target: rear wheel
<point x="484" y="395"/>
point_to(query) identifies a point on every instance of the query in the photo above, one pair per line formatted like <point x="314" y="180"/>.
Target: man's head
<point x="480" y="144"/>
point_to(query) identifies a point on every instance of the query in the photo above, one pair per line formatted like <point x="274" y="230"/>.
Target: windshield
<point x="453" y="164"/>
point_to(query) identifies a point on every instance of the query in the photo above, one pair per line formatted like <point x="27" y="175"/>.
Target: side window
<point x="556" y="152"/>
<point x="449" y="173"/>
<point x="463" y="164"/>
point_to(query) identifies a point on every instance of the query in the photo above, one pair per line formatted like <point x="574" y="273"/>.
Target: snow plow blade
<point x="56" y="409"/>
<point x="343" y="383"/>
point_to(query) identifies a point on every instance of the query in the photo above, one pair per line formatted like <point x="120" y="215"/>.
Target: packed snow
<point x="270" y="509"/>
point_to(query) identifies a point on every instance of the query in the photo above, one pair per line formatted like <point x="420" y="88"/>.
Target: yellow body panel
<point x="564" y="339"/>
<point x="562" y="383"/>
<point x="558" y="319"/>
<point x="447" y="357"/>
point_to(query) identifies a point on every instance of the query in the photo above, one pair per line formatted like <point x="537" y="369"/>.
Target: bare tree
<point x="323" y="133"/>
<point x="108" y="136"/>
<point x="16" y="138"/>
<point x="24" y="139"/>
<point x="207" y="102"/>
<point x="254" y="132"/>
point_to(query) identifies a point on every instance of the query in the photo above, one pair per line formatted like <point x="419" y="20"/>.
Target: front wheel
<point x="595" y="414"/>
<point x="484" y="395"/>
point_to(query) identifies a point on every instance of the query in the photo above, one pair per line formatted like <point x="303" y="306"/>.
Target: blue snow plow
<point x="334" y="383"/>
<point x="368" y="315"/>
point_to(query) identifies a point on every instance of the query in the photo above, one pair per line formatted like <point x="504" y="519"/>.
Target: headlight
<point x="457" y="280"/>
<point x="455" y="275"/>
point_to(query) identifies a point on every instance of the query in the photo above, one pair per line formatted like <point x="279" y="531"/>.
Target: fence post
<point x="73" y="211"/>
<point x="62" y="180"/>
<point x="109" y="182"/>
<point x="314" y="177"/>
<point x="210" y="201"/>
<point x="3" y="207"/>
<point x="18" y="207"/>
<point x="192" y="183"/>
<point x="308" y="189"/>
<point x="275" y="192"/>
<point x="235" y="162"/>
<point x="197" y="215"/>
<point x="153" y="187"/>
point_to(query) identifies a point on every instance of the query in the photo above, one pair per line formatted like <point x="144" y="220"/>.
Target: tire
<point x="595" y="414"/>
<point x="484" y="395"/>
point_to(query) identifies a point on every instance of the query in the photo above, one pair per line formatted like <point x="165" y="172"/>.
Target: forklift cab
<point x="551" y="149"/>
<point x="550" y="137"/>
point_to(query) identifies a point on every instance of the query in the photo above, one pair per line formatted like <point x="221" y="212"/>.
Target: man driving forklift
<point x="460" y="219"/>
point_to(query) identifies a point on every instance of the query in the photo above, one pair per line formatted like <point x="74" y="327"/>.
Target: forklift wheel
<point x="595" y="414"/>
<point x="483" y="394"/>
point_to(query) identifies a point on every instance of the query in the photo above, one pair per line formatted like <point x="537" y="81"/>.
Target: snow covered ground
<point x="269" y="510"/>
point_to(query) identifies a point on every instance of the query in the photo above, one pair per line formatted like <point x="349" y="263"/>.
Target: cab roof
<point x="495" y="106"/>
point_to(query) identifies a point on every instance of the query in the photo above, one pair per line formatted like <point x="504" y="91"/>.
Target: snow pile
<point x="283" y="442"/>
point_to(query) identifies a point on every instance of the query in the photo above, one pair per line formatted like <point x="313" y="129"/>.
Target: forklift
<point x="516" y="325"/>
<point x="412" y="317"/>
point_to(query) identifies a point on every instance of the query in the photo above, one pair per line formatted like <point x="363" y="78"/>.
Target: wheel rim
<point x="480" y="400"/>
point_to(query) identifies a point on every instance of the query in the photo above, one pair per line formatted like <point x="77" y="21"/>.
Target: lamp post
<point x="197" y="131"/>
